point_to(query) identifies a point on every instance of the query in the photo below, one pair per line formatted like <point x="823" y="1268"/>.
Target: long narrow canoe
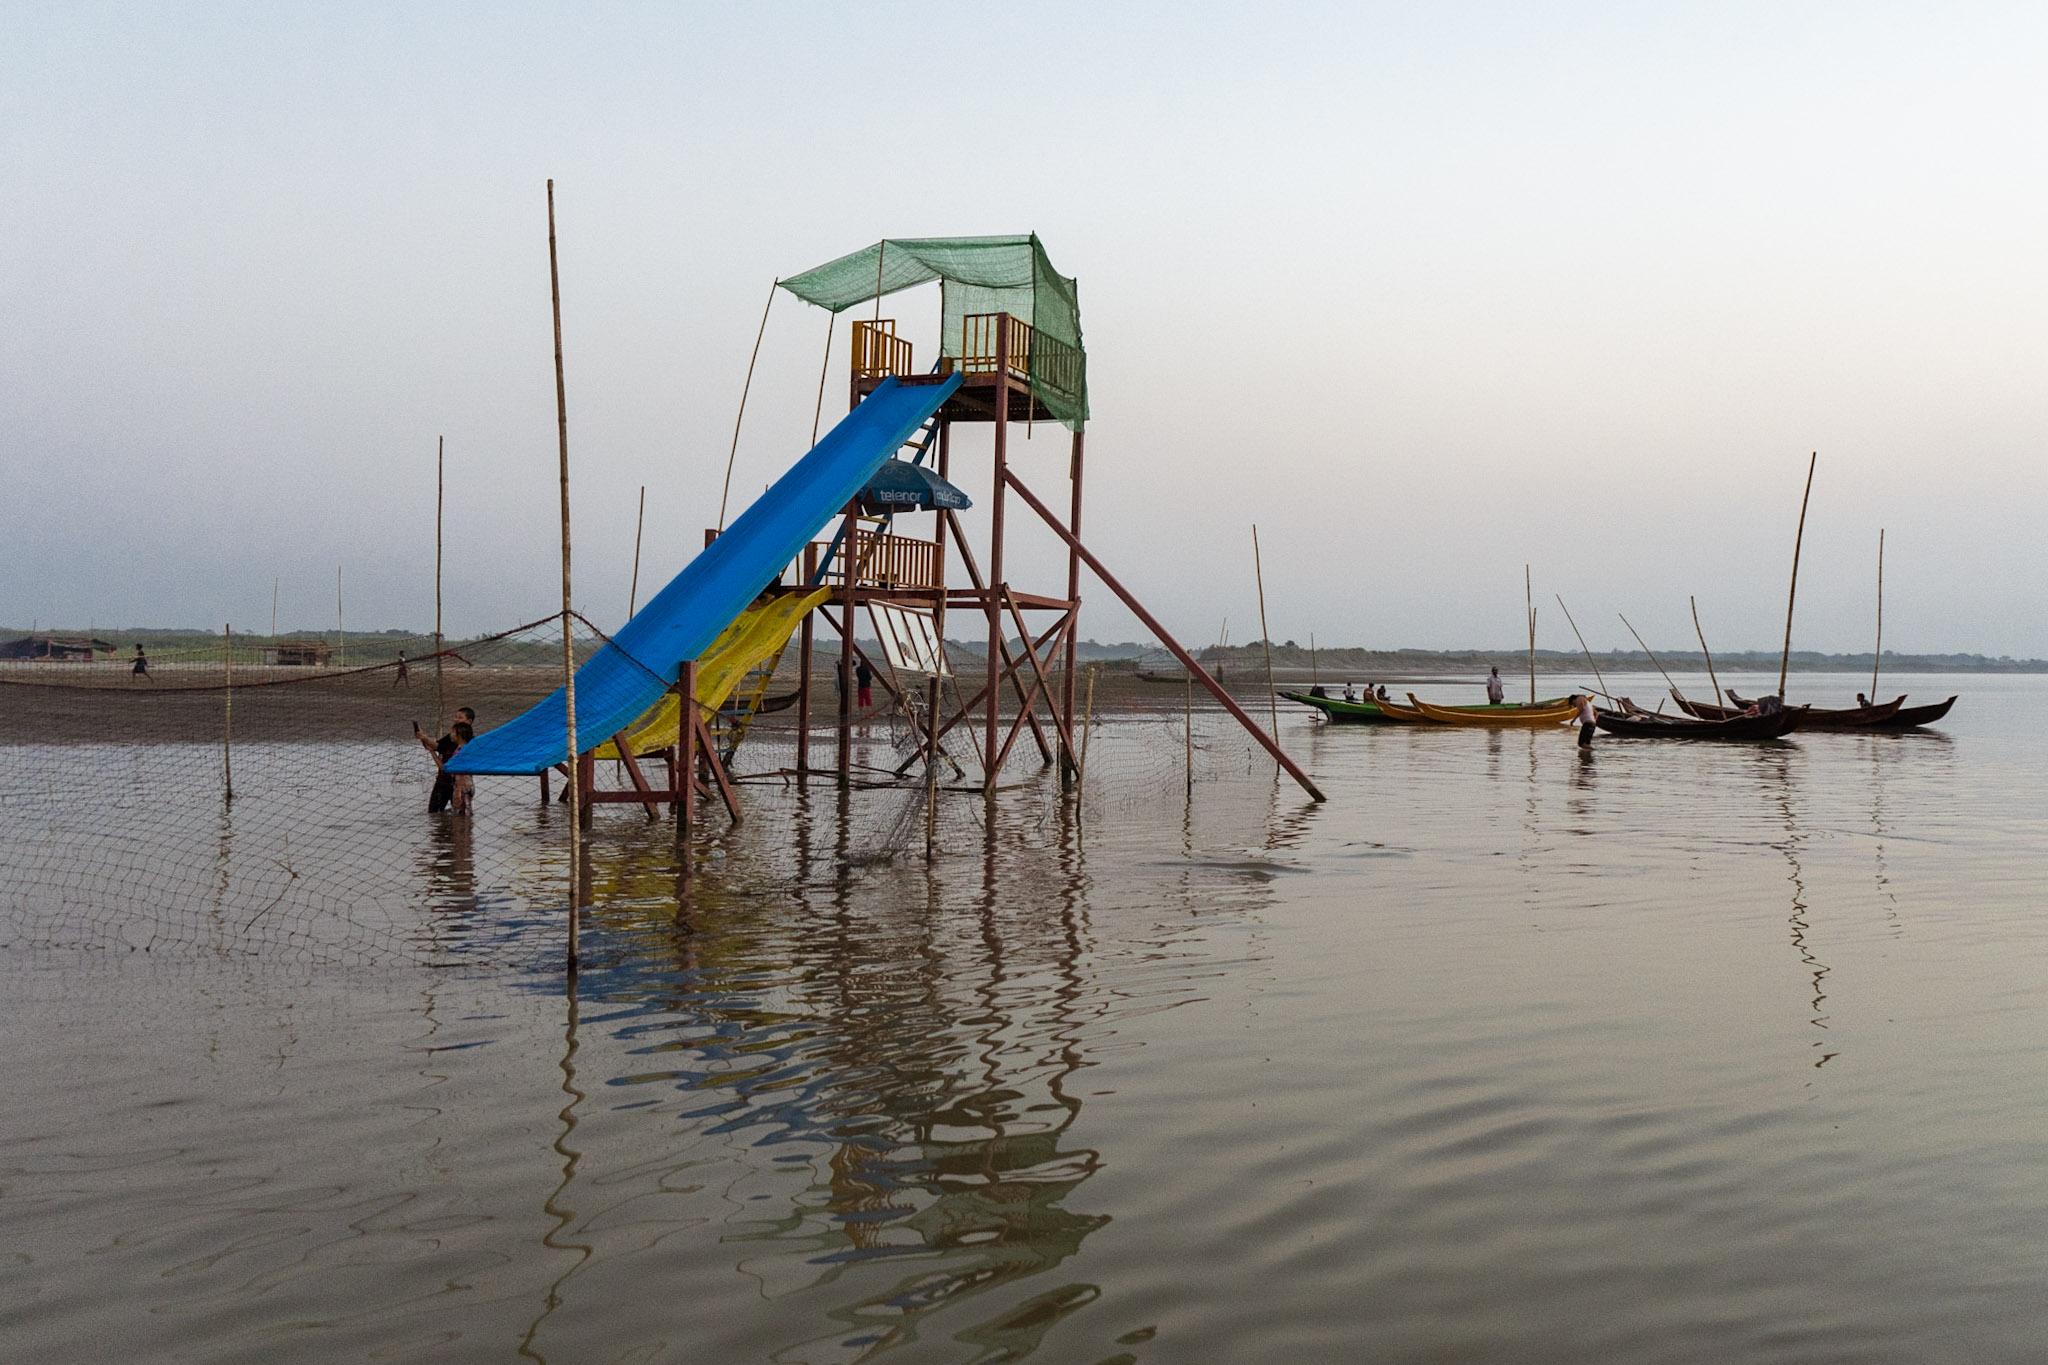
<point x="1550" y="713"/>
<point x="1640" y="724"/>
<point x="1908" y="717"/>
<point x="1817" y="718"/>
<point x="1341" y="712"/>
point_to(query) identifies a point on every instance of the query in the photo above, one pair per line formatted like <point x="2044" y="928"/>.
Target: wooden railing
<point x="1032" y="355"/>
<point x="878" y="352"/>
<point x="887" y="561"/>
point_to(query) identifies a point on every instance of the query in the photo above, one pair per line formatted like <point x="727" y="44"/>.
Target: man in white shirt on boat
<point x="1496" y="690"/>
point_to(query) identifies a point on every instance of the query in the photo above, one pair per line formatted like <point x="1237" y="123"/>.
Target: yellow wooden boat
<point x="1521" y="715"/>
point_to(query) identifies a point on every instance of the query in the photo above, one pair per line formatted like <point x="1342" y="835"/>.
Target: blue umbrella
<point x="900" y="486"/>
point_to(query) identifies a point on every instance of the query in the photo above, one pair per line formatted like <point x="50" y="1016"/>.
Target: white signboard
<point x="910" y="639"/>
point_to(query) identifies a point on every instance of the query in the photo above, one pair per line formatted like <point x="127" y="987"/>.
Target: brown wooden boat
<point x="1637" y="723"/>
<point x="1817" y="718"/>
<point x="1910" y="717"/>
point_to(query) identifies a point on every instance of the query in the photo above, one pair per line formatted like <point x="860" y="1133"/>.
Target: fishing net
<point x="236" y="805"/>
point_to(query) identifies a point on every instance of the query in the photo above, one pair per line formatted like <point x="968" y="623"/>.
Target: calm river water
<point x="1508" y="1053"/>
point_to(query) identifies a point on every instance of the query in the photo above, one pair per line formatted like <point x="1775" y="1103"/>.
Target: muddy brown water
<point x="1506" y="1053"/>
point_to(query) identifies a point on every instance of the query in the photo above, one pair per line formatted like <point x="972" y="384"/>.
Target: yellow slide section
<point x="755" y="636"/>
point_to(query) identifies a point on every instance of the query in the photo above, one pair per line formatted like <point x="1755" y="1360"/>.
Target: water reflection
<point x="881" y="1051"/>
<point x="1774" y="769"/>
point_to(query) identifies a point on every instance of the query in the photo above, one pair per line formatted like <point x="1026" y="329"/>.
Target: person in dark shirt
<point x="864" y="676"/>
<point x="443" y="749"/>
<point x="404" y="676"/>
<point x="141" y="669"/>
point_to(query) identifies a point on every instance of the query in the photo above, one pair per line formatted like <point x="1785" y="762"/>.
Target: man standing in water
<point x="864" y="678"/>
<point x="442" y="750"/>
<point x="1496" y="690"/>
<point x="1583" y="716"/>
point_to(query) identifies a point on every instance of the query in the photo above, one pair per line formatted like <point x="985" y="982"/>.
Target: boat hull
<point x="1643" y="725"/>
<point x="1340" y="712"/>
<point x="1513" y="716"/>
<point x="1817" y="718"/>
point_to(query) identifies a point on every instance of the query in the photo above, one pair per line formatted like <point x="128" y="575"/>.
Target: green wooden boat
<point x="1341" y="712"/>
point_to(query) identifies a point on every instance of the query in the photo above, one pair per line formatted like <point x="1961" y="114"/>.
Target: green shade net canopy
<point x="976" y="275"/>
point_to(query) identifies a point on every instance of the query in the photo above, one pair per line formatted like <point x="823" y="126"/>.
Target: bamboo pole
<point x="1711" y="677"/>
<point x="227" y="721"/>
<point x="1877" y="654"/>
<point x="1646" y="649"/>
<point x="440" y="501"/>
<point x="1088" y="718"/>
<point x="568" y="634"/>
<point x="733" y="453"/>
<point x="1582" y="646"/>
<point x="1272" y="698"/>
<point x="931" y="765"/>
<point x="1785" y="659"/>
<point x="1529" y="601"/>
<point x="1315" y="676"/>
<point x="824" y="369"/>
<point x="639" y="523"/>
<point x="273" y="609"/>
<point x="340" y="634"/>
<point x="1190" y="713"/>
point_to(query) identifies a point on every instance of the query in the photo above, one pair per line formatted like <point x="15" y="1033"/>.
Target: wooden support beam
<point x="1187" y="661"/>
<point x="639" y="779"/>
<point x="1061" y="722"/>
<point x="968" y="706"/>
<point x="1009" y="660"/>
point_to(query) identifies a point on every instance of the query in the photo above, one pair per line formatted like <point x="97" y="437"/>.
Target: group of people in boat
<point x="1351" y="693"/>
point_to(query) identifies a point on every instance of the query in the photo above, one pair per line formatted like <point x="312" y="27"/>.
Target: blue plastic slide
<point x="617" y="684"/>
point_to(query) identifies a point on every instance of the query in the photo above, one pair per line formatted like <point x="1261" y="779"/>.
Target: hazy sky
<point x="1425" y="290"/>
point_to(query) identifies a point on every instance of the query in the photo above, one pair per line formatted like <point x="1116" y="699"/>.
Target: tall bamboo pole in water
<point x="1718" y="701"/>
<point x="273" y="609"/>
<point x="1785" y="659"/>
<point x="1272" y="698"/>
<point x="1877" y="654"/>
<point x="568" y="635"/>
<point x="227" y="720"/>
<point x="340" y="634"/>
<point x="1529" y="601"/>
<point x="1582" y="647"/>
<point x="639" y="522"/>
<point x="440" y="503"/>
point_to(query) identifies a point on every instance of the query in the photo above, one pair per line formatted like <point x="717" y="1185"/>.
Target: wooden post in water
<point x="1785" y="659"/>
<point x="568" y="632"/>
<point x="1529" y="601"/>
<point x="340" y="634"/>
<point x="1315" y="676"/>
<point x="1272" y="698"/>
<point x="931" y="767"/>
<point x="1190" y="733"/>
<point x="639" y="523"/>
<point x="1705" y="651"/>
<point x="1877" y="654"/>
<point x="1582" y="647"/>
<point x="227" y="720"/>
<point x="1088" y="718"/>
<point x="686" y="766"/>
<point x="273" y="610"/>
